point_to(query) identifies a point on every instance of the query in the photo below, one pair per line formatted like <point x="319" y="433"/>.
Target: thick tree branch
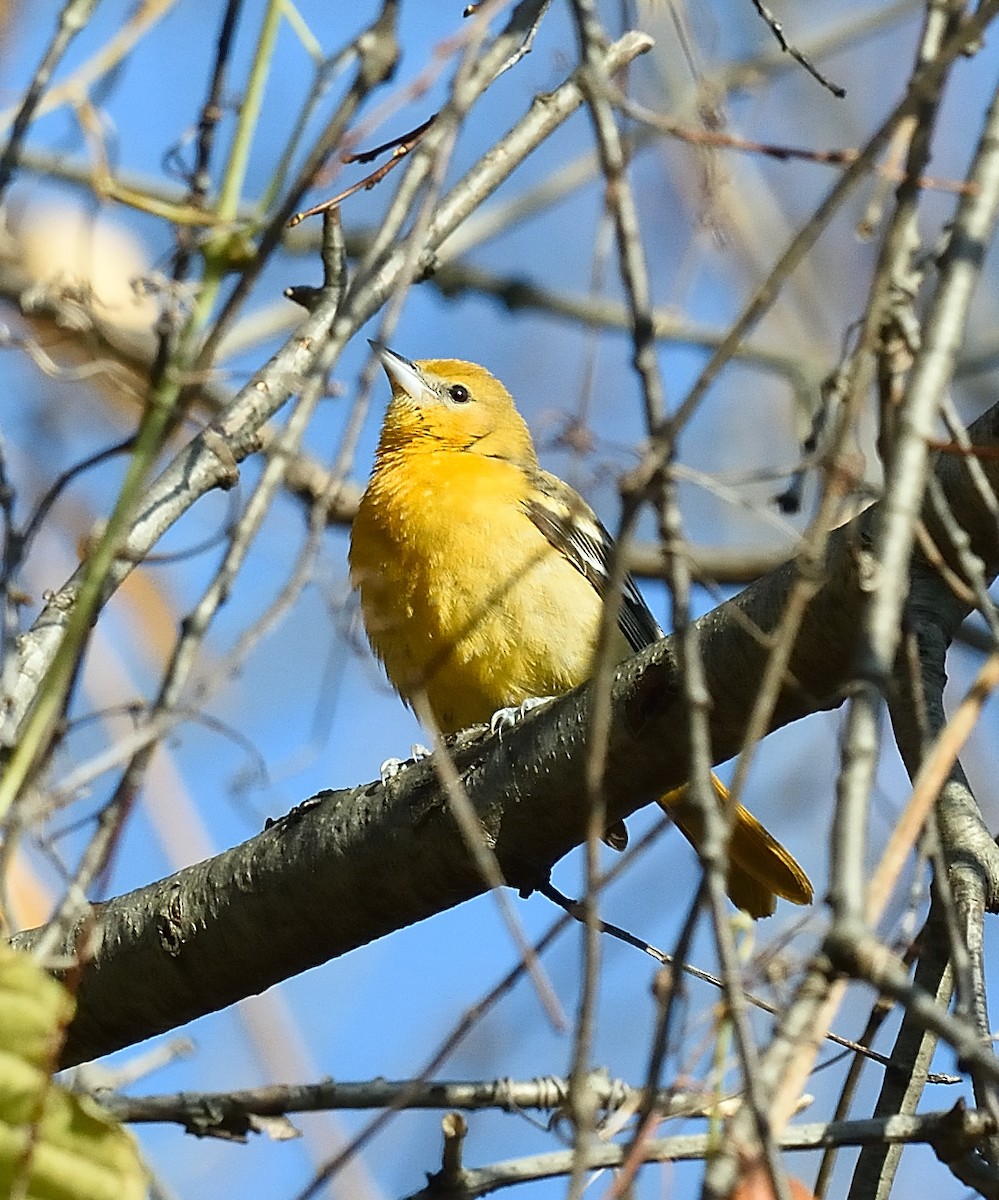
<point x="361" y="863"/>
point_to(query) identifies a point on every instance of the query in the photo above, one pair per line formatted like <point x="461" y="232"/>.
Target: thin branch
<point x="400" y="146"/>
<point x="72" y="20"/>
<point x="230" y="1115"/>
<point x="923" y="82"/>
<point x="778" y="31"/>
<point x="949" y="1132"/>
<point x="200" y="468"/>
<point x="401" y="835"/>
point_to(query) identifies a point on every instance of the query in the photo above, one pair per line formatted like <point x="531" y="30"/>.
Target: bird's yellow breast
<point x="462" y="596"/>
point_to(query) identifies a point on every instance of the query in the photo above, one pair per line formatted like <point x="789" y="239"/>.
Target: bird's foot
<point x="391" y="767"/>
<point x="506" y="718"/>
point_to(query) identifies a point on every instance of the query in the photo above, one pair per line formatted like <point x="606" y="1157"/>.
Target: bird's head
<point x="444" y="403"/>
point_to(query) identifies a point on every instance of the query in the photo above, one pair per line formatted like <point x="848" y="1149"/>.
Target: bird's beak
<point x="405" y="375"/>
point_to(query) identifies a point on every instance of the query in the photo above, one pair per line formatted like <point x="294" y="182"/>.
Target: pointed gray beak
<point x="404" y="374"/>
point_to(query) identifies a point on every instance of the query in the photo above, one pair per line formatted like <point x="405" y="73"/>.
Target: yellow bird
<point x="482" y="577"/>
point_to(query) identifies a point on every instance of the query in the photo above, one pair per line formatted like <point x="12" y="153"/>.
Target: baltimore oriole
<point x="482" y="577"/>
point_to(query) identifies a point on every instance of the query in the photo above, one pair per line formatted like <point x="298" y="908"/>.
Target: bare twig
<point x="778" y="31"/>
<point x="951" y="1131"/>
<point x="72" y="19"/>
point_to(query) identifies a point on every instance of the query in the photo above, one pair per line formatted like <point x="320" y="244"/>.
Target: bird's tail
<point x="759" y="868"/>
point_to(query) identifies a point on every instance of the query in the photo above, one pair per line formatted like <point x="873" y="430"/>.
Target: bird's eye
<point x="459" y="393"/>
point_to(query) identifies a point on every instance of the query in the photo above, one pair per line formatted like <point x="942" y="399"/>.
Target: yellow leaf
<point x="53" y="1145"/>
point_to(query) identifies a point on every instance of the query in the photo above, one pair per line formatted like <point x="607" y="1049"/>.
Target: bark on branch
<point x="361" y="863"/>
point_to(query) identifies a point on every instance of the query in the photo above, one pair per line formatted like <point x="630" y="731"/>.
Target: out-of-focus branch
<point x="950" y="1133"/>
<point x="923" y="82"/>
<point x="381" y="857"/>
<point x="887" y="552"/>
<point x="211" y="458"/>
<point x="969" y="855"/>
<point x="230" y="1114"/>
<point x="72" y="19"/>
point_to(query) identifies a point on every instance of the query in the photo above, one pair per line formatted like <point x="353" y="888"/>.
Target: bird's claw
<point x="506" y="718"/>
<point x="392" y="767"/>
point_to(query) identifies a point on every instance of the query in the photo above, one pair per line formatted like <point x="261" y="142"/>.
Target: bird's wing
<point x="572" y="527"/>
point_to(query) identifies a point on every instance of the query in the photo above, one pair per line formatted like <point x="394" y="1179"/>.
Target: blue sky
<point x="311" y="702"/>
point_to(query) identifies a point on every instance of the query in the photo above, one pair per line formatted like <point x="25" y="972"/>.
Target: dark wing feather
<point x="573" y="528"/>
